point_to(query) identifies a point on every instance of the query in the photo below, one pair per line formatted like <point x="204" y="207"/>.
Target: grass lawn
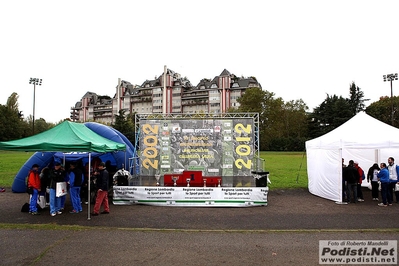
<point x="10" y="163"/>
<point x="287" y="169"/>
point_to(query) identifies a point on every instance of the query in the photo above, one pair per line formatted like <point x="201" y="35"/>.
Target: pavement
<point x="285" y="232"/>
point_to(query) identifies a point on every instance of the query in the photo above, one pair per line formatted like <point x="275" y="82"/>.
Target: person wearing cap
<point x="102" y="190"/>
<point x="360" y="197"/>
<point x="57" y="175"/>
<point x="35" y="186"/>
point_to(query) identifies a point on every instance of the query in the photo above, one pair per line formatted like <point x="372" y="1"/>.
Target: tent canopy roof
<point x="65" y="137"/>
<point x="360" y="132"/>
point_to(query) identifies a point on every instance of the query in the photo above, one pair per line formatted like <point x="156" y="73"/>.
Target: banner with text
<point x="191" y="196"/>
<point x="374" y="252"/>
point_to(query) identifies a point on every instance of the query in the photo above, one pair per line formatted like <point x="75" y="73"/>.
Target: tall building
<point x="170" y="93"/>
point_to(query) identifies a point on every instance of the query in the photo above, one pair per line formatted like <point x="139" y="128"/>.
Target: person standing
<point x="45" y="183"/>
<point x="102" y="190"/>
<point x="383" y="177"/>
<point x="372" y="177"/>
<point x="75" y="181"/>
<point x="360" y="197"/>
<point x="66" y="180"/>
<point x="35" y="186"/>
<point x="56" y="175"/>
<point x="393" y="170"/>
<point x="351" y="176"/>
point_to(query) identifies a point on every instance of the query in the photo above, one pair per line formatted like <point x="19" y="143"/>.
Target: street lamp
<point x="391" y="77"/>
<point x="34" y="81"/>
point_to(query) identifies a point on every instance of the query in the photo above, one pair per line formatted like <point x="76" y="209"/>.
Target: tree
<point x="41" y="125"/>
<point x="12" y="124"/>
<point x="330" y="114"/>
<point x="382" y="110"/>
<point x="356" y="99"/>
<point x="295" y="129"/>
<point x="12" y="102"/>
<point x="335" y="110"/>
<point x="125" y="125"/>
<point x="253" y="100"/>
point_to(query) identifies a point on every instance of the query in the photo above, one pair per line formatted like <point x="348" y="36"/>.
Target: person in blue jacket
<point x="75" y="182"/>
<point x="383" y="177"/>
<point x="393" y="170"/>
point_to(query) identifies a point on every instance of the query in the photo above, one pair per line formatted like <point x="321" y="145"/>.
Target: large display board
<point x="217" y="146"/>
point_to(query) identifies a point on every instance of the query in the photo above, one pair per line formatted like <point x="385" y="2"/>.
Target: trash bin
<point x="260" y="178"/>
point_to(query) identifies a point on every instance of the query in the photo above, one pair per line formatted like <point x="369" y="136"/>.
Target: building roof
<point x="225" y="72"/>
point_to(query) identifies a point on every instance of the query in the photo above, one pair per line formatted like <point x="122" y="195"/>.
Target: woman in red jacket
<point x="34" y="183"/>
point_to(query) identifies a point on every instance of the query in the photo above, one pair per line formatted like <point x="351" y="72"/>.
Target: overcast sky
<point x="296" y="49"/>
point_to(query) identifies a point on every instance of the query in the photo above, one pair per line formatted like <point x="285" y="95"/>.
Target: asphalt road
<point x="285" y="232"/>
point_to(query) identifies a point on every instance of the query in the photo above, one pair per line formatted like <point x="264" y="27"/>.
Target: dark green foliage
<point x="382" y="110"/>
<point x="14" y="126"/>
<point x="356" y="99"/>
<point x="11" y="126"/>
<point x="334" y="111"/>
<point x="330" y="114"/>
<point x="125" y="125"/>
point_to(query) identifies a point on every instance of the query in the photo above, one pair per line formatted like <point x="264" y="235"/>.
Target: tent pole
<point x="88" y="190"/>
<point x="377" y="156"/>
<point x="126" y="162"/>
<point x="341" y="186"/>
<point x="300" y="166"/>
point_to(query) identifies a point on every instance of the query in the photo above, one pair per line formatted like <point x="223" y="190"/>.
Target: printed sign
<point x="373" y="252"/>
<point x="191" y="196"/>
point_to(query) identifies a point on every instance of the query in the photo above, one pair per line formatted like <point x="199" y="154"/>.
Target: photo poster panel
<point x="217" y="147"/>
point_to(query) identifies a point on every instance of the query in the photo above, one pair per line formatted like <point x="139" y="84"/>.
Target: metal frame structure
<point x="258" y="163"/>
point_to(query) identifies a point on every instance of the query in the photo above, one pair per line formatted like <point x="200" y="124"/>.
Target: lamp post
<point x="34" y="81"/>
<point x="391" y="77"/>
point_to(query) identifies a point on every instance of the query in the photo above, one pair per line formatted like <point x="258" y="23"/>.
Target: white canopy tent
<point x="362" y="138"/>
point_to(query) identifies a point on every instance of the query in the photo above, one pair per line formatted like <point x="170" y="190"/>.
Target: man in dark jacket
<point x="102" y="190"/>
<point x="351" y="176"/>
<point x="56" y="175"/>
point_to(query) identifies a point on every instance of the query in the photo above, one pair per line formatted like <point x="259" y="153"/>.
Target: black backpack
<point x="25" y="207"/>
